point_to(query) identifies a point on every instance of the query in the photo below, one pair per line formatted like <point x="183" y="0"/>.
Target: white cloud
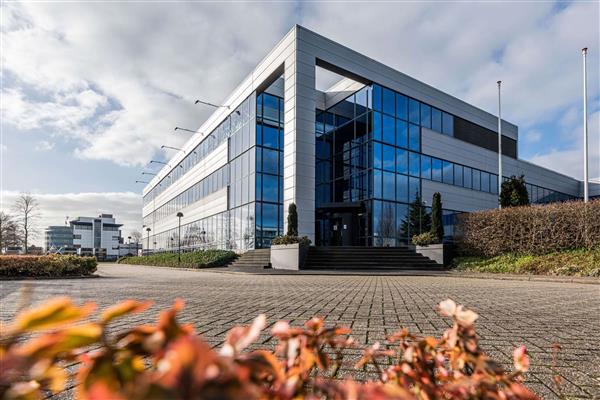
<point x="119" y="77"/>
<point x="44" y="145"/>
<point x="54" y="208"/>
<point x="569" y="160"/>
<point x="531" y="136"/>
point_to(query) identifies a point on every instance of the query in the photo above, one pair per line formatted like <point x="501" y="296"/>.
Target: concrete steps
<point x="258" y="259"/>
<point x="365" y="258"/>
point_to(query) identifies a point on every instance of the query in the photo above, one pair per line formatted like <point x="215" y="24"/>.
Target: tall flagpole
<point x="499" y="144"/>
<point x="585" y="129"/>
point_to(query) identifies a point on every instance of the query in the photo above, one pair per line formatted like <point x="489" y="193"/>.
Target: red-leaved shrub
<point x="168" y="361"/>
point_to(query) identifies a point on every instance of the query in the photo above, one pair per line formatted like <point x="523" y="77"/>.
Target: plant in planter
<point x="289" y="251"/>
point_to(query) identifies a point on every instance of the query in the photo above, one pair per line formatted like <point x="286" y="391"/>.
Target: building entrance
<point x="341" y="224"/>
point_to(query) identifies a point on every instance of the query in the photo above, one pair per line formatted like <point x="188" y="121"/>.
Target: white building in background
<point x="100" y="236"/>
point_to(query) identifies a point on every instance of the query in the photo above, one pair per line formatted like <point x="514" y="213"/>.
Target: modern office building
<point x="99" y="236"/>
<point x="58" y="238"/>
<point x="352" y="157"/>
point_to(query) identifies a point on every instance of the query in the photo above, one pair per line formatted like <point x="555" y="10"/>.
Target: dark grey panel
<point x="483" y="137"/>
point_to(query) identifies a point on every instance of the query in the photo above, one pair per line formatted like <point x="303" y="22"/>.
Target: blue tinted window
<point x="271" y="107"/>
<point x="389" y="158"/>
<point x="269" y="216"/>
<point x="270" y="161"/>
<point x="377" y="98"/>
<point x="401" y="134"/>
<point x="377" y="183"/>
<point x="447" y="124"/>
<point x="377" y="150"/>
<point x="401" y="161"/>
<point x="389" y="190"/>
<point x="458" y="175"/>
<point x="414" y="114"/>
<point x="270" y="136"/>
<point x="447" y="173"/>
<point x="377" y="126"/>
<point x="414" y="164"/>
<point x="494" y="183"/>
<point x="436" y="169"/>
<point x="414" y="188"/>
<point x="414" y="137"/>
<point x="388" y="101"/>
<point x="485" y="181"/>
<point x="468" y="178"/>
<point x="425" y="167"/>
<point x="476" y="179"/>
<point x="402" y="188"/>
<point x="258" y="134"/>
<point x="388" y="129"/>
<point x="401" y="107"/>
<point x="270" y="188"/>
<point x="425" y="115"/>
<point x="436" y="120"/>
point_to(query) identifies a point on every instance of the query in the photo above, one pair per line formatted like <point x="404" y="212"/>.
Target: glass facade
<point x="369" y="163"/>
<point x="252" y="176"/>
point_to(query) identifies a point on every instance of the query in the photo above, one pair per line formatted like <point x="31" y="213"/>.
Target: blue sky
<point x="91" y="91"/>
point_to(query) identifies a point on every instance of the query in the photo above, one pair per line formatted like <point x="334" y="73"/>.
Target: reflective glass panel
<point x="402" y="188"/>
<point x="401" y="107"/>
<point x="425" y="167"/>
<point x="414" y="137"/>
<point x="414" y="164"/>
<point x="425" y="115"/>
<point x="401" y="133"/>
<point x="389" y="105"/>
<point x="389" y="190"/>
<point x="436" y="169"/>
<point x="447" y="124"/>
<point x="389" y="158"/>
<point x="401" y="161"/>
<point x="388" y="129"/>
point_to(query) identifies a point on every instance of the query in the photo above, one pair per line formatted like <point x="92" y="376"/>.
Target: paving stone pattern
<point x="512" y="313"/>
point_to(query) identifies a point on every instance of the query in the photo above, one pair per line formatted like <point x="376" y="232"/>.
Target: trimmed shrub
<point x="195" y="259"/>
<point x="53" y="265"/>
<point x="534" y="230"/>
<point x="287" y="239"/>
<point x="168" y="360"/>
<point x="437" y="225"/>
<point x="424" y="239"/>
<point x="292" y="220"/>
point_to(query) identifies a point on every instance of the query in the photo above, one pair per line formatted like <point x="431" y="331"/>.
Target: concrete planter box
<point x="440" y="253"/>
<point x="288" y="256"/>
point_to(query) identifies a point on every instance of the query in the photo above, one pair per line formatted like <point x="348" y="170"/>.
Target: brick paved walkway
<point x="536" y="314"/>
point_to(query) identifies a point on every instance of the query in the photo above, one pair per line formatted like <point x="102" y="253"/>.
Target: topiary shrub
<point x="424" y="239"/>
<point x="169" y="361"/>
<point x="437" y="224"/>
<point x="292" y="220"/>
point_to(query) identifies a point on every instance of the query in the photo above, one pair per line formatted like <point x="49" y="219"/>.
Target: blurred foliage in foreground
<point x="167" y="360"/>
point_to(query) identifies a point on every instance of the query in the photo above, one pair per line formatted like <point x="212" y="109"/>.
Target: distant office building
<point x="58" y="238"/>
<point x="99" y="236"/>
<point x="129" y="249"/>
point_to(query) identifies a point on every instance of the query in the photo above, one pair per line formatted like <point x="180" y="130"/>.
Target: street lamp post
<point x="499" y="145"/>
<point x="148" y="238"/>
<point x="179" y="215"/>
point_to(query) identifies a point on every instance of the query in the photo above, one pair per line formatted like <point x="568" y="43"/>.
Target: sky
<point x="90" y="91"/>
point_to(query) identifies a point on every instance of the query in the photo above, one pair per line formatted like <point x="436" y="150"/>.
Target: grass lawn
<point x="571" y="262"/>
<point x="196" y="259"/>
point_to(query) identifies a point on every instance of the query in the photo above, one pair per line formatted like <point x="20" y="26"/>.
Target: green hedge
<point x="196" y="259"/>
<point x="530" y="230"/>
<point x="46" y="266"/>
<point x="571" y="262"/>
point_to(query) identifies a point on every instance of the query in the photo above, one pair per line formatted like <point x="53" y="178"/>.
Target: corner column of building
<point x="299" y="139"/>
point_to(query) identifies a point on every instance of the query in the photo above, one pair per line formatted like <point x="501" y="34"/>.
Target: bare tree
<point x="9" y="231"/>
<point x="27" y="209"/>
<point x="136" y="236"/>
